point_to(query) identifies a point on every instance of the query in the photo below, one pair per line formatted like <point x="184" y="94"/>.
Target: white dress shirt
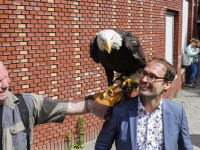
<point x="149" y="128"/>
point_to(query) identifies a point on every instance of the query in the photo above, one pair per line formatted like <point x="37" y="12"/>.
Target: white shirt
<point x="149" y="128"/>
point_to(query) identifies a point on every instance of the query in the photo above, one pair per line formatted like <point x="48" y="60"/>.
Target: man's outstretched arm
<point x="77" y="107"/>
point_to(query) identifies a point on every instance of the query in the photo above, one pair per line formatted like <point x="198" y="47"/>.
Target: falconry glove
<point x="102" y="108"/>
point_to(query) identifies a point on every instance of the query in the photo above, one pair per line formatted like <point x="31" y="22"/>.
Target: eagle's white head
<point x="108" y="40"/>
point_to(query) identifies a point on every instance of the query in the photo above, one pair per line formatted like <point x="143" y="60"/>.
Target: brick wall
<point x="192" y="20"/>
<point x="195" y="18"/>
<point x="45" y="47"/>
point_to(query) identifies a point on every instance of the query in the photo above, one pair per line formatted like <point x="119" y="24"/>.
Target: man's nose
<point x="145" y="79"/>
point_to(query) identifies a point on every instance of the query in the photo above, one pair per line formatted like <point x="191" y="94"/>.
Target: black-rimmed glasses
<point x="152" y="78"/>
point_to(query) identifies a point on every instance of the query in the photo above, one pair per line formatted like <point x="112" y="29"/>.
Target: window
<point x="169" y="48"/>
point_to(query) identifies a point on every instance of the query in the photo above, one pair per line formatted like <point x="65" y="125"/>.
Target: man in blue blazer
<point x="148" y="121"/>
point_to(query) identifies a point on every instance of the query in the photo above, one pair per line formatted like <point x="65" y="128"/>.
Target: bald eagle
<point x="118" y="51"/>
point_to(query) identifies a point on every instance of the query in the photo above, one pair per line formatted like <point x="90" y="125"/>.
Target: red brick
<point x="39" y="144"/>
<point x="2" y="58"/>
<point x="2" y="39"/>
<point x="3" y="16"/>
<point x="4" y="25"/>
<point x="12" y="16"/>
<point x="29" y="8"/>
<point x="13" y="25"/>
<point x="12" y="34"/>
<point x="9" y="39"/>
<point x="11" y="6"/>
<point x="17" y="12"/>
<point x="36" y="8"/>
<point x="3" y="7"/>
<point x="16" y="3"/>
<point x="25" y="3"/>
<point x="2" y="30"/>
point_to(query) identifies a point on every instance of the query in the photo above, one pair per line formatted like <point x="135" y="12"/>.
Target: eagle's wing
<point x="134" y="47"/>
<point x="93" y="50"/>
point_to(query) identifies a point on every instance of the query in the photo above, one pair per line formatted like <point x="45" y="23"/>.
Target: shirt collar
<point x="11" y="100"/>
<point x="141" y="107"/>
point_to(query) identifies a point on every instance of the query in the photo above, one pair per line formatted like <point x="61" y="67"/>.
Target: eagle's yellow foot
<point x="129" y="81"/>
<point x="107" y="90"/>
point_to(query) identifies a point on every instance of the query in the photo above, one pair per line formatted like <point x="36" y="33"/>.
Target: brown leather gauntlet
<point x="101" y="107"/>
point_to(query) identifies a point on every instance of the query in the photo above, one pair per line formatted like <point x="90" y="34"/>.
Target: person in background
<point x="198" y="66"/>
<point x="191" y="51"/>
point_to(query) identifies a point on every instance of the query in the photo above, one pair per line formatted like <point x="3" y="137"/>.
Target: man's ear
<point x="167" y="85"/>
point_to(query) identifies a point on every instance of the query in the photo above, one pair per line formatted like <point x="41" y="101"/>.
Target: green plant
<point x="175" y="95"/>
<point x="69" y="141"/>
<point x="80" y="128"/>
<point x="185" y="86"/>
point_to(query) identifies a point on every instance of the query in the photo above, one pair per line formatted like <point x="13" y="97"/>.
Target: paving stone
<point x="190" y="131"/>
<point x="188" y="115"/>
<point x="196" y="148"/>
<point x="194" y="120"/>
<point x="198" y="125"/>
<point x="195" y="104"/>
<point x="197" y="111"/>
<point x="196" y="131"/>
<point x="192" y="107"/>
<point x="190" y="111"/>
<point x="194" y="115"/>
<point x="193" y="126"/>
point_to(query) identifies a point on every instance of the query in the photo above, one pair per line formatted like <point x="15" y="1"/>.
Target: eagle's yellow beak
<point x="108" y="45"/>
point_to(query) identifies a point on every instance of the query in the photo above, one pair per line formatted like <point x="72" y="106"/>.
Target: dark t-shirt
<point x="1" y="108"/>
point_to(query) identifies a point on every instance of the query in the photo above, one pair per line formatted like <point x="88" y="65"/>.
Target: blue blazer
<point x="122" y="127"/>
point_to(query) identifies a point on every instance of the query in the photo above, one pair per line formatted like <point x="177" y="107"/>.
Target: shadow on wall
<point x="195" y="140"/>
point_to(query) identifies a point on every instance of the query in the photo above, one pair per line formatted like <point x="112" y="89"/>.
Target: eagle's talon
<point x="107" y="90"/>
<point x="104" y="96"/>
<point x="112" y="92"/>
<point x="129" y="82"/>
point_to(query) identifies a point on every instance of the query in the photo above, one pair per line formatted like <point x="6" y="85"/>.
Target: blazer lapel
<point x="166" y="123"/>
<point x="133" y="123"/>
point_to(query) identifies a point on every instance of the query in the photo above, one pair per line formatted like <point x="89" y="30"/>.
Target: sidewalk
<point x="190" y="99"/>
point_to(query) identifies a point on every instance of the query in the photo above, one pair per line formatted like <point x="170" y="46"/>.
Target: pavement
<point x="189" y="98"/>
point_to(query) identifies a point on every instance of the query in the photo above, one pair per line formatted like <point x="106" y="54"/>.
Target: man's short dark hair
<point x="170" y="73"/>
